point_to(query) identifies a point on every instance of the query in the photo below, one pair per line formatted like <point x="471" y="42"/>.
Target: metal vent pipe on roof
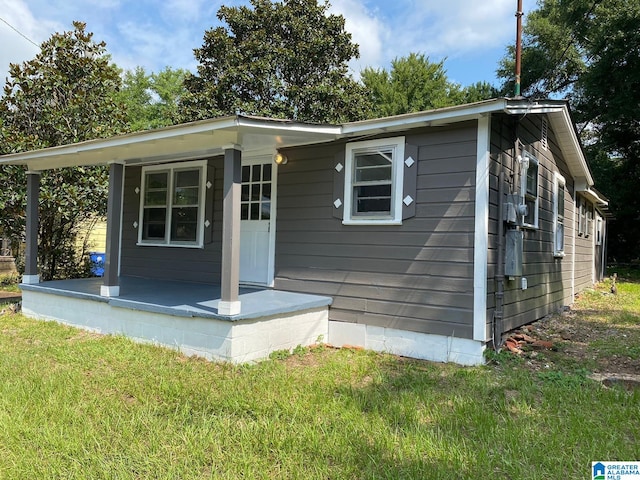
<point x="518" y="48"/>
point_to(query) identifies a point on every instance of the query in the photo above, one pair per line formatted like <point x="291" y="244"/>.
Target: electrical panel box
<point x="514" y="210"/>
<point x="510" y="213"/>
<point x="513" y="253"/>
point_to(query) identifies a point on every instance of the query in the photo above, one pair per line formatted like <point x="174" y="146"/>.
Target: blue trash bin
<point x="97" y="263"/>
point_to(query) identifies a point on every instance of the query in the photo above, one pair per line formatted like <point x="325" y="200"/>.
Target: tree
<point x="479" y="91"/>
<point x="589" y="50"/>
<point x="414" y="84"/>
<point x="283" y="60"/>
<point x="151" y="100"/>
<point x="66" y="94"/>
<point x="552" y="60"/>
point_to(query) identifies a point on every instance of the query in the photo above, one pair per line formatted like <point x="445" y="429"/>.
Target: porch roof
<point x="261" y="135"/>
<point x="179" y="142"/>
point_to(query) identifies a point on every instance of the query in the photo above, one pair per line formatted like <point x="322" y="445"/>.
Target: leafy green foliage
<point x="278" y="59"/>
<point x="151" y="100"/>
<point x="552" y="60"/>
<point x="479" y="91"/>
<point x="589" y="51"/>
<point x="9" y="282"/>
<point x="414" y="84"/>
<point x="66" y="94"/>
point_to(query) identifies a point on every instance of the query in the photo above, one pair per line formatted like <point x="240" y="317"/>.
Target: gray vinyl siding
<point x="417" y="276"/>
<point x="172" y="263"/>
<point x="549" y="279"/>
<point x="585" y="251"/>
<point x="584" y="263"/>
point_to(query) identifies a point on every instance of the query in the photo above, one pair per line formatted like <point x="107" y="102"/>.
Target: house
<point x="427" y="234"/>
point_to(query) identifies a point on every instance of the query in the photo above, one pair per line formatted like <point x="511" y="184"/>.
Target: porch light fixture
<point x="280" y="158"/>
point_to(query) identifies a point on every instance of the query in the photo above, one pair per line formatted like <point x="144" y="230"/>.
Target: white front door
<point x="257" y="226"/>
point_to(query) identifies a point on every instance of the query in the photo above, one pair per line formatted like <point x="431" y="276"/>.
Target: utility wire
<point x="19" y="32"/>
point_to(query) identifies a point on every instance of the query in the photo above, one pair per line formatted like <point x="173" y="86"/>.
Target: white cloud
<point x="366" y="30"/>
<point x="458" y="26"/>
<point x="182" y="10"/>
<point x="152" y="48"/>
<point x="15" y="48"/>
<point x="154" y="34"/>
<point x="387" y="29"/>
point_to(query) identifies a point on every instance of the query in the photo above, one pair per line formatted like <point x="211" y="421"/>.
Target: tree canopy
<point x="414" y="83"/>
<point x="66" y="94"/>
<point x="589" y="50"/>
<point x="151" y="100"/>
<point x="284" y="59"/>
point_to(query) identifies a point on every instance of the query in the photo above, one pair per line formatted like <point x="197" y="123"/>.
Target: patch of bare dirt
<point x="567" y="339"/>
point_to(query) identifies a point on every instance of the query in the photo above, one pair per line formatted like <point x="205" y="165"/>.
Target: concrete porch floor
<point x="184" y="316"/>
<point x="183" y="298"/>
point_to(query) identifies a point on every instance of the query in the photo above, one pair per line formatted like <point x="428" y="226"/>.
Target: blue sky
<point x="471" y="34"/>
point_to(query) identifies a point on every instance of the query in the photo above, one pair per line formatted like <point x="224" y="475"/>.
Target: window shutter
<point x="338" y="185"/>
<point x="410" y="180"/>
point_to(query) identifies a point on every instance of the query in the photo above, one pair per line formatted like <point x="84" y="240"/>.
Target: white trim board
<point x="425" y="346"/>
<point x="481" y="236"/>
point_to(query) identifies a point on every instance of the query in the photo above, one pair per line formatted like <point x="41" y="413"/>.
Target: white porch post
<point x="32" y="218"/>
<point x="230" y="279"/>
<point x="111" y="280"/>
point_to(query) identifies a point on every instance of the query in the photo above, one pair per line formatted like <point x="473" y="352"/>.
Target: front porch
<point x="184" y="316"/>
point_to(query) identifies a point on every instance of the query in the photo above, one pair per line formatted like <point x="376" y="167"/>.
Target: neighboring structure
<point x="7" y="262"/>
<point x="430" y="233"/>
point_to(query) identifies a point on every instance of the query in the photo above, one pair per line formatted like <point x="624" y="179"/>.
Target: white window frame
<point x="581" y="216"/>
<point x="171" y="169"/>
<point x="396" y="144"/>
<point x="559" y="184"/>
<point x="599" y="224"/>
<point x="589" y="220"/>
<point x="527" y="160"/>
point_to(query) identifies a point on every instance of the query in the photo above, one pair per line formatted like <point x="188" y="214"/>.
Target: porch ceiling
<point x="192" y="140"/>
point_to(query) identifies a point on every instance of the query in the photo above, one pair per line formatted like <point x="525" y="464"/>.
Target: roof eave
<point x="563" y="126"/>
<point x="128" y="148"/>
<point x="439" y="116"/>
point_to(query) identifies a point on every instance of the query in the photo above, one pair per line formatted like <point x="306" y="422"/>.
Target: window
<point x="255" y="201"/>
<point x="581" y="216"/>
<point x="172" y="204"/>
<point x="599" y="231"/>
<point x="529" y="188"/>
<point x="589" y="222"/>
<point x="373" y="182"/>
<point x="558" y="215"/>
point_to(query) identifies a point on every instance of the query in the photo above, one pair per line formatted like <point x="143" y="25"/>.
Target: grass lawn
<point x="9" y="283"/>
<point x="78" y="405"/>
